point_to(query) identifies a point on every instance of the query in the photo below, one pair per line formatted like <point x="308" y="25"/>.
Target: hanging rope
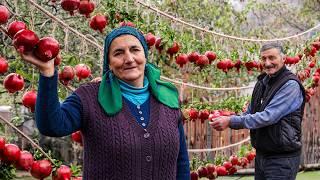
<point x="206" y="88"/>
<point x="219" y="148"/>
<point x="223" y="35"/>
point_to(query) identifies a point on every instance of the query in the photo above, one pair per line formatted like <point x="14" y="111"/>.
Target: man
<point x="274" y="118"/>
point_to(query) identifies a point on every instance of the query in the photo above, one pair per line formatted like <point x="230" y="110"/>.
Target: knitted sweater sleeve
<point x="53" y="118"/>
<point x="183" y="169"/>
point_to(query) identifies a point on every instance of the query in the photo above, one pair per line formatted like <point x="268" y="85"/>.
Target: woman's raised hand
<point x="46" y="68"/>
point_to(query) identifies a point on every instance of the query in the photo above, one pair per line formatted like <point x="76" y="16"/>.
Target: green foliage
<point x="7" y="172"/>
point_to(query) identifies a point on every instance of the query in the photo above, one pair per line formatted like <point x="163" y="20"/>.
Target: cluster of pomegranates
<point x="11" y="154"/>
<point x="67" y="73"/>
<point x="229" y="167"/>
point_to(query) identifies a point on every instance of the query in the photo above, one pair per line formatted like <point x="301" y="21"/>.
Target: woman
<point x="130" y="121"/>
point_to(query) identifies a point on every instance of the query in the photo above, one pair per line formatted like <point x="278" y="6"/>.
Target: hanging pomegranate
<point x="47" y="49"/>
<point x="15" y="27"/>
<point x="127" y="23"/>
<point x="98" y="22"/>
<point x="82" y="71"/>
<point x="11" y="153"/>
<point x="66" y="75"/>
<point x="86" y="7"/>
<point x="25" y="40"/>
<point x="29" y="99"/>
<point x="151" y="39"/>
<point x="4" y="14"/>
<point x="41" y="169"/>
<point x="25" y="161"/>
<point x="181" y="60"/>
<point x="70" y="5"/>
<point x="13" y="82"/>
<point x="3" y="65"/>
<point x="62" y="173"/>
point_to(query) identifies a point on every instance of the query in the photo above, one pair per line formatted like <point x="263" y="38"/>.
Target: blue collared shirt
<point x="288" y="99"/>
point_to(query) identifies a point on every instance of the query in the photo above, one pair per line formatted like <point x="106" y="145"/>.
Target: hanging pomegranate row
<point x="67" y="73"/>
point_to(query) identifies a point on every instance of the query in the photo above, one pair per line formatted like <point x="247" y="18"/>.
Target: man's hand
<point x="220" y="123"/>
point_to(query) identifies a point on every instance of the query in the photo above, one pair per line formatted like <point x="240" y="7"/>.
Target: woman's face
<point x="127" y="59"/>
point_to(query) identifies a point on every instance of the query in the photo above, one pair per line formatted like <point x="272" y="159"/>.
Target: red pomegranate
<point x="193" y="57"/>
<point x="203" y="115"/>
<point x="234" y="160"/>
<point x="25" y="161"/>
<point x="29" y="99"/>
<point x="202" y="61"/>
<point x="66" y="74"/>
<point x="76" y="137"/>
<point x="151" y="39"/>
<point x="13" y="82"/>
<point x="227" y="165"/>
<point x="11" y="153"/>
<point x="127" y="23"/>
<point x="86" y="7"/>
<point x="70" y="5"/>
<point x="222" y="171"/>
<point x="181" y="60"/>
<point x="25" y="40"/>
<point x="99" y="22"/>
<point x="47" y="49"/>
<point x="194" y="175"/>
<point x="202" y="171"/>
<point x="2" y="143"/>
<point x="174" y="49"/>
<point x="4" y="14"/>
<point x="193" y="114"/>
<point x="158" y="45"/>
<point x="211" y="56"/>
<point x="63" y="173"/>
<point x="82" y="71"/>
<point x="57" y="60"/>
<point x="3" y="65"/>
<point x="41" y="169"/>
<point x="238" y="65"/>
<point x="15" y="27"/>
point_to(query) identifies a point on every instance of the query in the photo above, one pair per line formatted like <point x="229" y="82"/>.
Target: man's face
<point x="271" y="61"/>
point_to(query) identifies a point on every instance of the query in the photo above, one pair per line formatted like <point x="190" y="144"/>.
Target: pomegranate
<point x="194" y="175"/>
<point x="66" y="74"/>
<point x="25" y="161"/>
<point x="193" y="114"/>
<point x="76" y="137"/>
<point x="25" y="40"/>
<point x="221" y="171"/>
<point x="203" y="115"/>
<point x="227" y="165"/>
<point x="128" y="23"/>
<point x="86" y="7"/>
<point x="4" y="14"/>
<point x="243" y="162"/>
<point x="63" y="173"/>
<point x="158" y="45"/>
<point x="211" y="56"/>
<point x="41" y="169"/>
<point x="181" y="60"/>
<point x="234" y="160"/>
<point x="232" y="170"/>
<point x="11" y="153"/>
<point x="3" y="65"/>
<point x="173" y="49"/>
<point x="2" y="143"/>
<point x="99" y="22"/>
<point x="250" y="156"/>
<point x="224" y="65"/>
<point x="202" y="171"/>
<point x="151" y="39"/>
<point x="13" y="82"/>
<point x="238" y="65"/>
<point x="15" y="27"/>
<point x="70" y="5"/>
<point x="47" y="49"/>
<point x="193" y="57"/>
<point x="82" y="71"/>
<point x="211" y="168"/>
<point x="57" y="60"/>
<point x="29" y="99"/>
<point x="202" y="61"/>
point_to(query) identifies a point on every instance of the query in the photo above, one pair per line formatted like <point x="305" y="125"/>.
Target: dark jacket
<point x="282" y="139"/>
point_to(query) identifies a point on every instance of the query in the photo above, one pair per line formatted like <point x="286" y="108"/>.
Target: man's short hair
<point x="272" y="45"/>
